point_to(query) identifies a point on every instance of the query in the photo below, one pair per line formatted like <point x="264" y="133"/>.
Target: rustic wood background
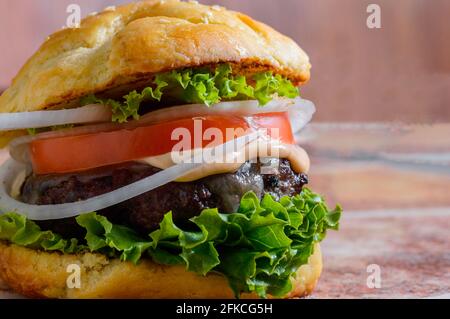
<point x="399" y="72"/>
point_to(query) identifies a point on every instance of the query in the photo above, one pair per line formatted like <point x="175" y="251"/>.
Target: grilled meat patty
<point x="145" y="212"/>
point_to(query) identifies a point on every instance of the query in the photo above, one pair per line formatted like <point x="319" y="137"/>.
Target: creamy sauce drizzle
<point x="296" y="155"/>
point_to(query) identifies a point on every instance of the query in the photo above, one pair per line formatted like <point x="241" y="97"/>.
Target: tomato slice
<point x="77" y="153"/>
<point x="278" y="125"/>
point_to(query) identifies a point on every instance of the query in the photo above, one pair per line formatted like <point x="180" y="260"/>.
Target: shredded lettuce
<point x="199" y="85"/>
<point x="258" y="249"/>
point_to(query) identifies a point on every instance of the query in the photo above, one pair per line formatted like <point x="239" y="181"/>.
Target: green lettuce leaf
<point x="258" y="249"/>
<point x="34" y="131"/>
<point x="199" y="85"/>
<point x="18" y="230"/>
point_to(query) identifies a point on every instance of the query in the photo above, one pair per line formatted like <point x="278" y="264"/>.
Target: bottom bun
<point x="42" y="274"/>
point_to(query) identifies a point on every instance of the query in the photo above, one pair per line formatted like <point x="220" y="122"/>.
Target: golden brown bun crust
<point x="43" y="275"/>
<point x="130" y="43"/>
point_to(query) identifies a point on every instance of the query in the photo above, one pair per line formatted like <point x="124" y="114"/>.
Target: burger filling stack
<point x="153" y="151"/>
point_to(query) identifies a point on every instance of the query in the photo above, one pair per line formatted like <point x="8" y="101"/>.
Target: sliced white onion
<point x="300" y="111"/>
<point x="11" y="169"/>
<point x="300" y="114"/>
<point x="101" y="113"/>
<point x="245" y="107"/>
<point x="87" y="114"/>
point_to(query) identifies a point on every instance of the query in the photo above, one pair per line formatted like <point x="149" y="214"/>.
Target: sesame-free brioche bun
<point x="128" y="44"/>
<point x="42" y="274"/>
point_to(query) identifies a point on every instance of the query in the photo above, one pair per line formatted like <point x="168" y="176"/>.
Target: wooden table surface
<point x="397" y="212"/>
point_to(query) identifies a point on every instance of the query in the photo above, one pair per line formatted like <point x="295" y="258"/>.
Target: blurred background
<point x="380" y="141"/>
<point x="398" y="72"/>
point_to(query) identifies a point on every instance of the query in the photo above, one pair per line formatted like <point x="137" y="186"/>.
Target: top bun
<point x="128" y="44"/>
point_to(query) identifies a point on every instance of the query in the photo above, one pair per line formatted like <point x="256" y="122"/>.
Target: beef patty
<point x="145" y="212"/>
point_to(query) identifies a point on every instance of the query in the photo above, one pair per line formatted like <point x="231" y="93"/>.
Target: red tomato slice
<point x="77" y="153"/>
<point x="278" y="125"/>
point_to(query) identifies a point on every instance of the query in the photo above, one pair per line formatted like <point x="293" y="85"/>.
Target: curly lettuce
<point x="199" y="85"/>
<point x="258" y="248"/>
<point x="21" y="231"/>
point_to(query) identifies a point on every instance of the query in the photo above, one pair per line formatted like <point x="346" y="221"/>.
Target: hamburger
<point x="108" y="192"/>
